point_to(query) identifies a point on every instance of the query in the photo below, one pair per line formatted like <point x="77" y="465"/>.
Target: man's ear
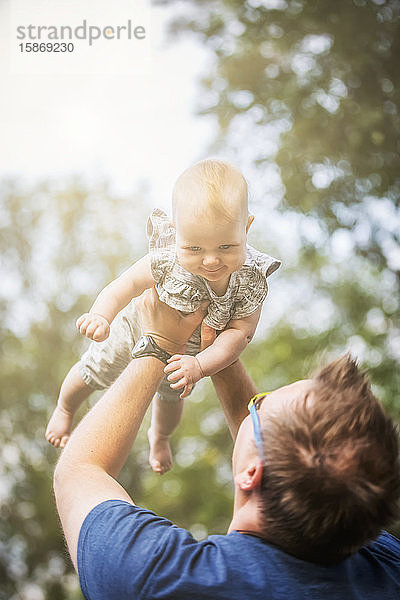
<point x="249" y="222"/>
<point x="250" y="478"/>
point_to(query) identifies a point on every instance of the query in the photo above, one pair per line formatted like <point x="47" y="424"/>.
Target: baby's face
<point x="209" y="246"/>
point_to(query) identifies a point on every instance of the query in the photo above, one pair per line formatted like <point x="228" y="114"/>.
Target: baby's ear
<point x="249" y="222"/>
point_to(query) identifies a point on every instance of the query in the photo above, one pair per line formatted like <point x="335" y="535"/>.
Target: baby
<point x="201" y="256"/>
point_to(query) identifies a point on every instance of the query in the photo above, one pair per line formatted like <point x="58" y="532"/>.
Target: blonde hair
<point x="212" y="186"/>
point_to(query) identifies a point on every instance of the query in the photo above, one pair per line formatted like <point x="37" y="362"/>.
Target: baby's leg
<point x="166" y="414"/>
<point x="98" y="368"/>
<point x="72" y="393"/>
<point x="165" y="417"/>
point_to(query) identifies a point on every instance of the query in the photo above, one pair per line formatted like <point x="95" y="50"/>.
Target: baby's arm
<point x="229" y="344"/>
<point x="114" y="297"/>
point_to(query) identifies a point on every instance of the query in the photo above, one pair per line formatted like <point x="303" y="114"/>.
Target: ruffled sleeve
<point x="175" y="286"/>
<point x="185" y="292"/>
<point x="252" y="286"/>
<point x="161" y="236"/>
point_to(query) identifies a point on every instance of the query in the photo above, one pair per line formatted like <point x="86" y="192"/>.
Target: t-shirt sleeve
<point x="125" y="551"/>
<point x="387" y="547"/>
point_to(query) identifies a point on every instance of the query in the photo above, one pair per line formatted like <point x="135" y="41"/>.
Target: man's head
<point x="331" y="478"/>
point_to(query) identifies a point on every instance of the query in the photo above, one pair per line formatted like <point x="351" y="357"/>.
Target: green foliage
<point x="59" y="246"/>
<point x="307" y="90"/>
<point x="313" y="90"/>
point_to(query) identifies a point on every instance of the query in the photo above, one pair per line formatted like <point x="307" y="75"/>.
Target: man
<point x="316" y="473"/>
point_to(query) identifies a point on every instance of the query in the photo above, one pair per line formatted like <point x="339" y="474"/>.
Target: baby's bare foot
<point x="59" y="428"/>
<point x="160" y="457"/>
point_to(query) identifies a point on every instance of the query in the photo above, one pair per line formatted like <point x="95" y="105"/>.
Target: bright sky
<point x="131" y="127"/>
<point x="125" y="127"/>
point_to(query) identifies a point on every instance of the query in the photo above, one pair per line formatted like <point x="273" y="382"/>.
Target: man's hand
<point x="185" y="372"/>
<point x="170" y="329"/>
<point x="208" y="335"/>
<point x="94" y="326"/>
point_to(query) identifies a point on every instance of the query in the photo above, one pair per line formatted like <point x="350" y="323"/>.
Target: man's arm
<point x="234" y="388"/>
<point x="98" y="448"/>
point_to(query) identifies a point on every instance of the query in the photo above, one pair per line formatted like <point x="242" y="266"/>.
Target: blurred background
<point x="303" y="96"/>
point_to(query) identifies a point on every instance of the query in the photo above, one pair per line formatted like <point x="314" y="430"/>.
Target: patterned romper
<point x="104" y="361"/>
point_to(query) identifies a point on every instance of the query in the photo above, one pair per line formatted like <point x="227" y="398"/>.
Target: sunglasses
<point x="254" y="406"/>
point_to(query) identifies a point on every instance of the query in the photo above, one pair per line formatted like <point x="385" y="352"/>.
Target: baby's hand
<point x="185" y="371"/>
<point x="94" y="326"/>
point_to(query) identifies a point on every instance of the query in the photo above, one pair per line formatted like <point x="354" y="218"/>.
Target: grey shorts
<point x="103" y="362"/>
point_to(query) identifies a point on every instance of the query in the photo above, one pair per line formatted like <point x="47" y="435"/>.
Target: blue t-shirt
<point x="128" y="552"/>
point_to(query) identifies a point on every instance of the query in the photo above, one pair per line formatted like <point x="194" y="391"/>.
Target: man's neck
<point x="246" y="514"/>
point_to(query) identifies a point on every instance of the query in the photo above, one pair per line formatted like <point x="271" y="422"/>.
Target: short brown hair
<point x="331" y="480"/>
